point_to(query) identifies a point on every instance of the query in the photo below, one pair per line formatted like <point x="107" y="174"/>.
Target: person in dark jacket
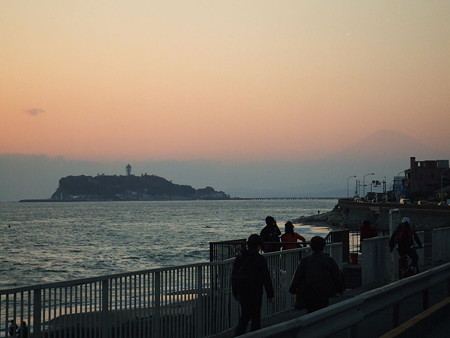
<point x="12" y="328"/>
<point x="22" y="331"/>
<point x="317" y="277"/>
<point x="271" y="235"/>
<point x="367" y="230"/>
<point x="250" y="275"/>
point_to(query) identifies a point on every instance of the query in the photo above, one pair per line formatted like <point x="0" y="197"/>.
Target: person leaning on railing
<point x="289" y="240"/>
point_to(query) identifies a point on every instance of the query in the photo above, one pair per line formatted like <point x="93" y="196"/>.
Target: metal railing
<point x="350" y="239"/>
<point x="219" y="251"/>
<point x="184" y="301"/>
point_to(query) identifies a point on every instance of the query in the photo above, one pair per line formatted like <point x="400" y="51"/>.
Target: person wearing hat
<point x="403" y="237"/>
<point x="317" y="278"/>
<point x="249" y="276"/>
<point x="290" y="237"/>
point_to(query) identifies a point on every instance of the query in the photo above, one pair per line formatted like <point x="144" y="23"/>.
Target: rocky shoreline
<point x="332" y="219"/>
<point x="351" y="214"/>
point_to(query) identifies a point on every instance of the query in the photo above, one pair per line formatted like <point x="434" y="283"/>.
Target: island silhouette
<point x="129" y="188"/>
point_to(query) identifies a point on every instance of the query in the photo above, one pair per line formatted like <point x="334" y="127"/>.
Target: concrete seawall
<point x="350" y="214"/>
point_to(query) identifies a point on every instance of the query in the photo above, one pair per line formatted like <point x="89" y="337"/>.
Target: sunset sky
<point x="221" y="80"/>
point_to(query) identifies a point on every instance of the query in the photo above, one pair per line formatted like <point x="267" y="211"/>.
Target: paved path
<point x="436" y="325"/>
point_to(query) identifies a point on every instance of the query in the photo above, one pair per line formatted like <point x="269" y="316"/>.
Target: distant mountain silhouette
<point x="386" y="153"/>
<point x="386" y="144"/>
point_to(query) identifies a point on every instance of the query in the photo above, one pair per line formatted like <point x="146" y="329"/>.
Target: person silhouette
<point x="317" y="277"/>
<point x="271" y="235"/>
<point x="290" y="237"/>
<point x="250" y="275"/>
<point x="22" y="332"/>
<point x="12" y="330"/>
<point x="404" y="237"/>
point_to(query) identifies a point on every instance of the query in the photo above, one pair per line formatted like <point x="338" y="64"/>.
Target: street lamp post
<point x="348" y="194"/>
<point x="364" y="185"/>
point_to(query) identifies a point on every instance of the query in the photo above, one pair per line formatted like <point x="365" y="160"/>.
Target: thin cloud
<point x="35" y="111"/>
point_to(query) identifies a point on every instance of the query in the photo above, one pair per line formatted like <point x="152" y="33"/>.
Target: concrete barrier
<point x="422" y="324"/>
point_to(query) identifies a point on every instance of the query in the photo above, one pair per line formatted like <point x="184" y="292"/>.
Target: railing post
<point x="342" y="236"/>
<point x="289" y="274"/>
<point x="211" y="255"/>
<point x="366" y="263"/>
<point x="105" y="324"/>
<point x="199" y="312"/>
<point x="37" y="309"/>
<point x="157" y="314"/>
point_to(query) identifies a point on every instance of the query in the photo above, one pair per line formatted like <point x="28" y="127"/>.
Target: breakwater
<point x="350" y="214"/>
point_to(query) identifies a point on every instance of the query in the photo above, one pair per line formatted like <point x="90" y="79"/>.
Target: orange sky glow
<point x="221" y="80"/>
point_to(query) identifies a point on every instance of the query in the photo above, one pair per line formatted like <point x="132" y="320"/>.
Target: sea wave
<point x="57" y="241"/>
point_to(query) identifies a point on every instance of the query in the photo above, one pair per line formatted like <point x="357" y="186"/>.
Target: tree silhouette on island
<point x="129" y="188"/>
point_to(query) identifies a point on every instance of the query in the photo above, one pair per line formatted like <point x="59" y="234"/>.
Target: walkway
<point x="412" y="319"/>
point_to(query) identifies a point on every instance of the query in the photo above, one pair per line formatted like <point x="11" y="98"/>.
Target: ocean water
<point x="49" y="242"/>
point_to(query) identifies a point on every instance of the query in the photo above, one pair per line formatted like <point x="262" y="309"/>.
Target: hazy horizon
<point x="270" y="96"/>
<point x="386" y="155"/>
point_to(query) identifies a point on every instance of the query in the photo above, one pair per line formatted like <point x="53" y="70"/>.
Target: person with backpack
<point x="316" y="279"/>
<point x="271" y="235"/>
<point x="403" y="237"/>
<point x="249" y="276"/>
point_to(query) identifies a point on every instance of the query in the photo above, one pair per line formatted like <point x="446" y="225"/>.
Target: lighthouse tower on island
<point x="128" y="168"/>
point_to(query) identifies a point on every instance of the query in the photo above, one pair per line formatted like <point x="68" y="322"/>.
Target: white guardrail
<point x="379" y="265"/>
<point x="370" y="314"/>
<point x="184" y="301"/>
